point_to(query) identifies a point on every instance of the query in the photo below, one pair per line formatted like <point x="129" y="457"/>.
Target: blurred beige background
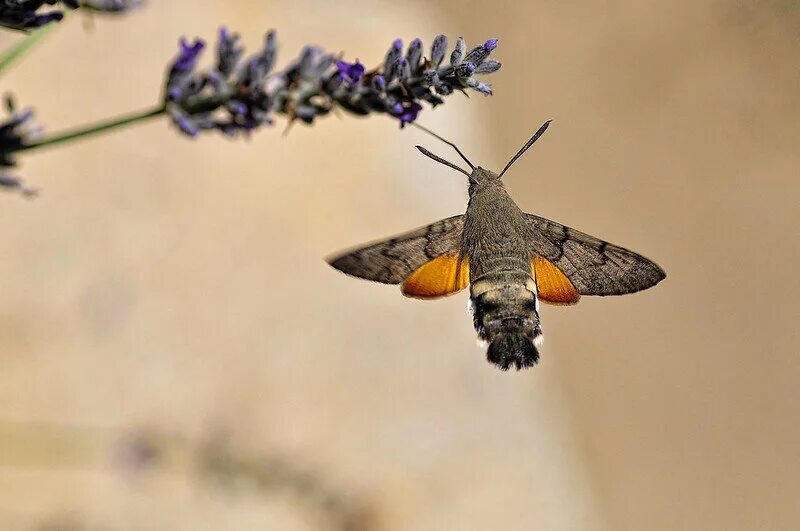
<point x="175" y="289"/>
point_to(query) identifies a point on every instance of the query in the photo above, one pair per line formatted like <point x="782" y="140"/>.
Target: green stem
<point x="95" y="128"/>
<point x="13" y="54"/>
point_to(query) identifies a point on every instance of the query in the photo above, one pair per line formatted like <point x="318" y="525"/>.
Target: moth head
<point x="481" y="176"/>
<point x="477" y="177"/>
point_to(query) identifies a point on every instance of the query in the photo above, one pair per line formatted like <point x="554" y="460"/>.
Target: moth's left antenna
<point x="422" y="127"/>
<point x="440" y="160"/>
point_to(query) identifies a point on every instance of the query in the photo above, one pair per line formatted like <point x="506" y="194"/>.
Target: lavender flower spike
<point x="240" y="95"/>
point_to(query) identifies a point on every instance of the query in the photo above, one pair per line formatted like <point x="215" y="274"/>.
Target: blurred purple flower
<point x="112" y="6"/>
<point x="137" y="453"/>
<point x="15" y="131"/>
<point x="31" y="14"/>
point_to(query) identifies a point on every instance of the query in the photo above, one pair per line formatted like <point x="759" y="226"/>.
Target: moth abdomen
<point x="505" y="314"/>
<point x="512" y="348"/>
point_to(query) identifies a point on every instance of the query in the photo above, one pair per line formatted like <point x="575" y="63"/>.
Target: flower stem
<point x="94" y="129"/>
<point x="13" y="54"/>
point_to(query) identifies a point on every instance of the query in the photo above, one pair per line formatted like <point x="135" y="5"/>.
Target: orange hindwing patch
<point x="442" y="276"/>
<point x="553" y="285"/>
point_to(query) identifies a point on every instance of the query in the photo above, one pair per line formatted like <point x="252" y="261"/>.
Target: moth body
<point x="502" y="288"/>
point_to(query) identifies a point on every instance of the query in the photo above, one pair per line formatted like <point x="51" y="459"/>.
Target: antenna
<point x="533" y="139"/>
<point x="418" y="126"/>
<point x="440" y="160"/>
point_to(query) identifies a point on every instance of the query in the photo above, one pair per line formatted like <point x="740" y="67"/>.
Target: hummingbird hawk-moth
<point x="511" y="260"/>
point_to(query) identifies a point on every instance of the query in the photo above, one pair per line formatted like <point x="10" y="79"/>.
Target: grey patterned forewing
<point x="391" y="261"/>
<point x="594" y="267"/>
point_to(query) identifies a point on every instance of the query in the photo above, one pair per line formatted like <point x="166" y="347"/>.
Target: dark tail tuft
<point x="515" y="349"/>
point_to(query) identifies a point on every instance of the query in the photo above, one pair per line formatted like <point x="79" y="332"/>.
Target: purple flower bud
<point x="351" y="71"/>
<point x="22" y="117"/>
<point x="306" y="113"/>
<point x="228" y="53"/>
<point x="458" y="52"/>
<point x="266" y="57"/>
<point x="8" y="181"/>
<point x="488" y="66"/>
<point x="401" y="65"/>
<point x="484" y="89"/>
<point x="389" y="62"/>
<point x="438" y="50"/>
<point x="414" y="55"/>
<point x="465" y="70"/>
<point x="237" y="107"/>
<point x="379" y="83"/>
<point x="15" y="184"/>
<point x="16" y="130"/>
<point x="174" y="93"/>
<point x="409" y="114"/>
<point x="187" y="126"/>
<point x="479" y="54"/>
<point x="41" y="20"/>
<point x="306" y="56"/>
<point x="188" y="55"/>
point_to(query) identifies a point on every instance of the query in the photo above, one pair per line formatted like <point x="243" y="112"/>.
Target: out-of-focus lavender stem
<point x="95" y="128"/>
<point x="16" y="52"/>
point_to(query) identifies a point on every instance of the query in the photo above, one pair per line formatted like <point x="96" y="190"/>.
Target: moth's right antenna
<point x="418" y="126"/>
<point x="533" y="139"/>
<point x="440" y="160"/>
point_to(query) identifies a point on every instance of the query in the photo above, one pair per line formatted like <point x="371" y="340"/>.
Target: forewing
<point x="392" y="261"/>
<point x="593" y="266"/>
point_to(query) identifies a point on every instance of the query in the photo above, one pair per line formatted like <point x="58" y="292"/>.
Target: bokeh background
<point x="175" y="354"/>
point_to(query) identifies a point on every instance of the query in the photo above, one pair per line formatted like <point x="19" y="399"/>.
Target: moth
<point x="510" y="260"/>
